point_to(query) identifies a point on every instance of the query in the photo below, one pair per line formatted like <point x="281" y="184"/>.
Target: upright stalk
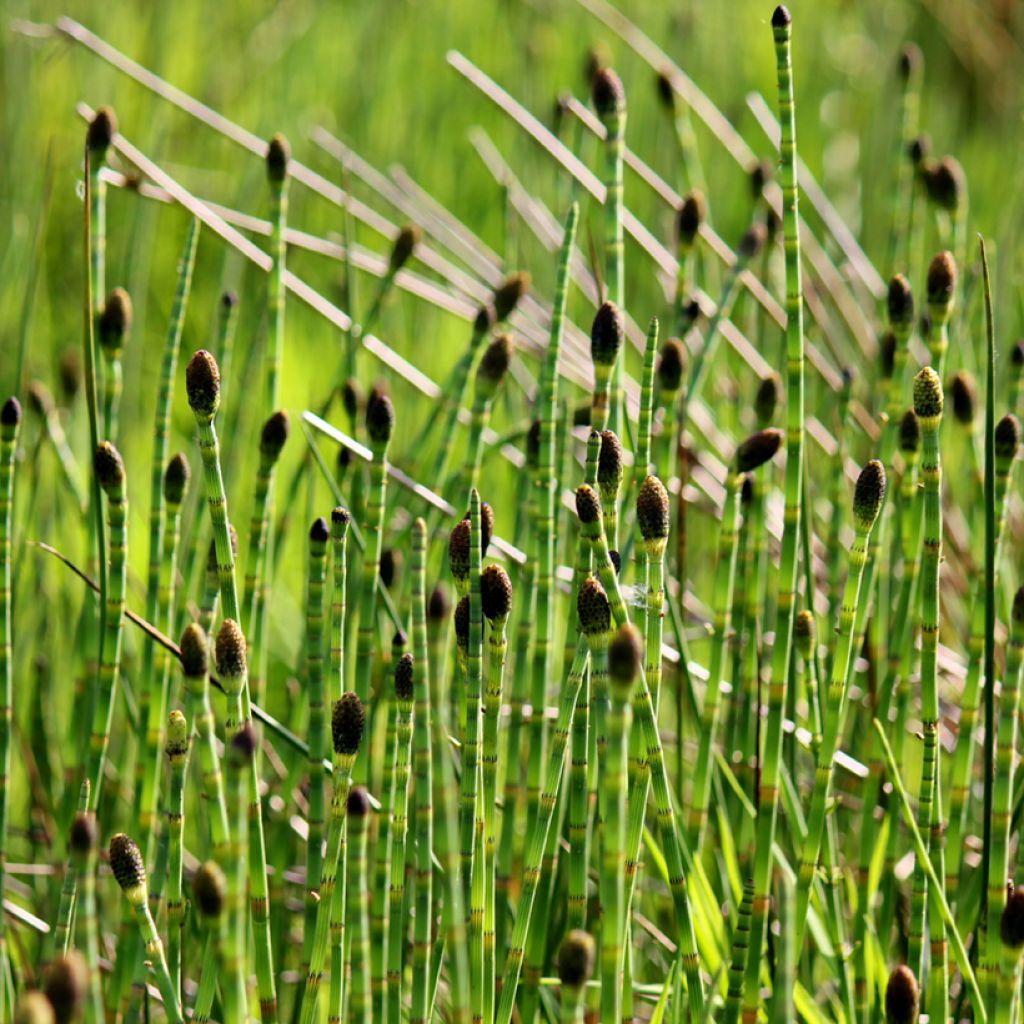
<point x="357" y="913"/>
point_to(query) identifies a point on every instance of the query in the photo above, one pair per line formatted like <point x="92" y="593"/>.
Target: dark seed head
<point x="495" y="593"/>
<point x="1017" y="355"/>
<point x="625" y="656"/>
<point x="608" y="94"/>
<point x="486" y="527"/>
<point x="910" y="61"/>
<point x="459" y="543"/>
<point x="690" y="217"/>
<point x="767" y="398"/>
<point x="772" y="225"/>
<point x="616" y="559"/>
<point x="390" y="565"/>
<point x="126" y="862"/>
<point x="941" y="279"/>
<point x="1011" y="924"/>
<point x="887" y="354"/>
<point x="351" y="398"/>
<point x="910" y="433"/>
<point x="244" y="744"/>
<point x="927" y="394"/>
<point x="405" y="674"/>
<point x="869" y="494"/>
<point x="176" y="478"/>
<point x="609" y="463"/>
<point x="483" y="321"/>
<point x="803" y="632"/>
<point x="34" y="1008"/>
<point x="438" y="604"/>
<point x="666" y="94"/>
<point x="588" y="504"/>
<point x="319" y="533"/>
<point x="1017" y="612"/>
<point x="901" y="997"/>
<point x="596" y="57"/>
<point x="278" y="155"/>
<point x="209" y="889"/>
<point x="963" y="394"/>
<point x="115" y="321"/>
<point x="760" y="175"/>
<point x="781" y="18"/>
<point x="652" y="510"/>
<point x="348" y="718"/>
<point x="509" y="294"/>
<point x="194" y="654"/>
<point x="752" y="242"/>
<point x="230" y="649"/>
<point x="202" y="383"/>
<point x="66" y="984"/>
<point x="593" y="607"/>
<point x="671" y="366"/>
<point x="70" y="370"/>
<point x="946" y="183"/>
<point x="358" y="805"/>
<point x="40" y="400"/>
<point x="229" y="300"/>
<point x="10" y="414"/>
<point x="101" y="131"/>
<point x="606" y="335"/>
<point x="533" y="445"/>
<point x="274" y="435"/>
<point x="758" y="449"/>
<point x="461" y="618"/>
<point x="84" y="836"/>
<point x="494" y="365"/>
<point x="576" y="959"/>
<point x="1008" y="434"/>
<point x="900" y="303"/>
<point x="109" y="467"/>
<point x="340" y="518"/>
<point x="380" y="418"/>
<point x="919" y="150"/>
<point x="405" y="244"/>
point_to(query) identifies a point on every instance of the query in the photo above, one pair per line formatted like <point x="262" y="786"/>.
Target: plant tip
<point x="495" y="593"/>
<point x="609" y="464"/>
<point x="202" y="384"/>
<point x="459" y="550"/>
<point x="115" y="321"/>
<point x="671" y="366"/>
<point x="101" y="131"/>
<point x="244" y="743"/>
<point x="1007" y="437"/>
<point x="358" y="805"/>
<point x="752" y="242"/>
<point x="910" y="433"/>
<point x="109" y="467"/>
<point x="278" y="155"/>
<point x="758" y="449"/>
<point x="760" y="174"/>
<point x="767" y="398"/>
<point x="900" y="302"/>
<point x="509" y="294"/>
<point x="666" y="91"/>
<point x="230" y="649"/>
<point x="608" y="94"/>
<point x="66" y="985"/>
<point x="941" y="279"/>
<point x="606" y="334"/>
<point x="901" y="997"/>
<point x="593" y="607"/>
<point x="690" y="217"/>
<point x="319" y="533"/>
<point x="946" y="183"/>
<point x="910" y="60"/>
<point x="209" y="889"/>
<point x="405" y="244"/>
<point x="1011" y="924"/>
<point x="438" y="605"/>
<point x="653" y="510"/>
<point x="380" y="419"/>
<point x="576" y="959"/>
<point x="1017" y="611"/>
<point x="494" y="364"/>
<point x="928" y="399"/>
<point x="126" y="862"/>
<point x="588" y="504"/>
<point x="176" y="478"/>
<point x="348" y="719"/>
<point x="10" y="415"/>
<point x="274" y="435"/>
<point x="84" y="836"/>
<point x="405" y="675"/>
<point x="461" y="617"/>
<point x="625" y="656"/>
<point x="869" y="494"/>
<point x="781" y="18"/>
<point x="963" y="395"/>
<point x="194" y="654"/>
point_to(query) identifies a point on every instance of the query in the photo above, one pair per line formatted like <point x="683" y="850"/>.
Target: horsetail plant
<point x="595" y="621"/>
<point x="109" y="470"/>
<point x="490" y="374"/>
<point x="177" y="750"/>
<point x="277" y="158"/>
<point x="209" y="896"/>
<point x="423" y="924"/>
<point x="83" y="843"/>
<point x="624" y="656"/>
<point x="10" y="422"/>
<point x="130" y="873"/>
<point x="114" y="323"/>
<point x="868" y="499"/>
<point x="347" y="725"/>
<point x="771" y="745"/>
<point x="609" y="481"/>
<point x="606" y="334"/>
<point x="66" y="986"/>
<point x="1011" y="934"/>
<point x="991" y="964"/>
<point x="609" y="98"/>
<point x="232" y="667"/>
<point x="402" y="249"/>
<point x="319" y="535"/>
<point x="689" y="218"/>
<point x="928" y="404"/>
<point x="669" y="372"/>
<point x="901" y="997"/>
<point x="496" y="605"/>
<point x="357" y="905"/>
<point x="240" y="752"/>
<point x="380" y="424"/>
<point x="753" y="453"/>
